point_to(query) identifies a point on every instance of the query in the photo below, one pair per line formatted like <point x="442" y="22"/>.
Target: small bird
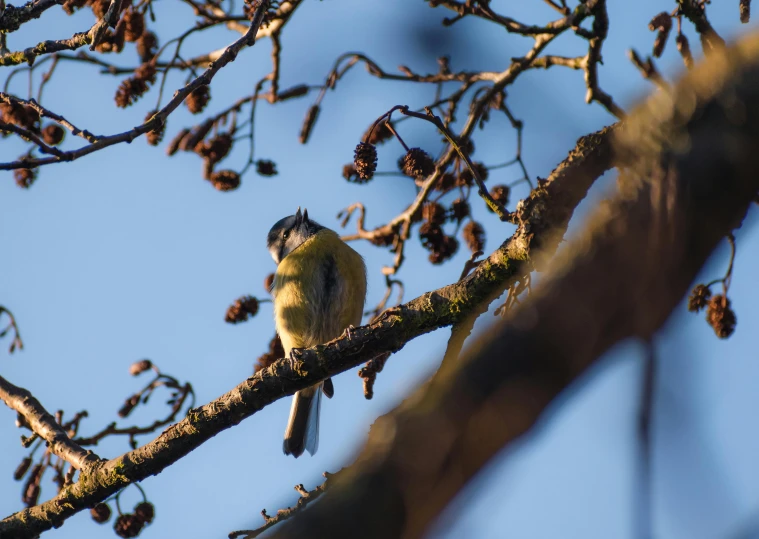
<point x="319" y="291"/>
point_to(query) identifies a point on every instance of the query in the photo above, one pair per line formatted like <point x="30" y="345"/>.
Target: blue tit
<point x="319" y="291"/>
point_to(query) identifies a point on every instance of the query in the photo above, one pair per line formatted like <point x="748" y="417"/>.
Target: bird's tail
<point x="303" y="426"/>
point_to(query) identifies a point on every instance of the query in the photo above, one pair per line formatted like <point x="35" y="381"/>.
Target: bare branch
<point x="29" y="136"/>
<point x="647" y="69"/>
<point x="695" y="11"/>
<point x="45" y="426"/>
<point x="45" y="47"/>
<point x="600" y="31"/>
<point x="16" y="343"/>
<point x="229" y="55"/>
<point x="11" y="18"/>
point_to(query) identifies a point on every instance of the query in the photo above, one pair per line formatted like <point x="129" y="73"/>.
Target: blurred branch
<point x="483" y="10"/>
<point x="45" y="426"/>
<point x="543" y="215"/>
<point x="647" y="69"/>
<point x="625" y="274"/>
<point x="695" y="11"/>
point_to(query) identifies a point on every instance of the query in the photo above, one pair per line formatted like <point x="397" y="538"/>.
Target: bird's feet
<point x="349" y="332"/>
<point x="294" y="356"/>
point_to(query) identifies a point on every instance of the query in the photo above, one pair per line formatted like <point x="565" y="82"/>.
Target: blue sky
<point x="127" y="254"/>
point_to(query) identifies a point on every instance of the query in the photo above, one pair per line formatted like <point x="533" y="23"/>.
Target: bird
<point x="318" y="293"/>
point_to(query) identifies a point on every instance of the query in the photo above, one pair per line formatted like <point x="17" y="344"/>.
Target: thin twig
<point x="647" y="69"/>
<point x="16" y="343"/>
<point x="306" y="497"/>
<point x="229" y="54"/>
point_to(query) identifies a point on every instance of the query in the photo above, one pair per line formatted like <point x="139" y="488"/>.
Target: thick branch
<point x="567" y="186"/>
<point x="45" y="426"/>
<point x="692" y="171"/>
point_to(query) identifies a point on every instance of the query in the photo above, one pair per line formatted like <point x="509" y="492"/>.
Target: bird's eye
<point x="285" y="234"/>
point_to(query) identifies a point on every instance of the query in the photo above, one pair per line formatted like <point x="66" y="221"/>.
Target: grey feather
<point x="312" y="430"/>
<point x="289" y="233"/>
<point x="302" y="431"/>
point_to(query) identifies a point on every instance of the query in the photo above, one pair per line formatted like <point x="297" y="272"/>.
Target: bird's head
<point x="289" y="233"/>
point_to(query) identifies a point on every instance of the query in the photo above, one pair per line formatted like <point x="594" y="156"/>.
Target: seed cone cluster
<point x="242" y="309"/>
<point x="365" y="160"/>
<point x="699" y="298"/>
<point x="474" y="236"/>
<point x="721" y="316"/>
<point x="417" y="163"/>
<point x="276" y="351"/>
<point x="131" y="89"/>
<point x="225" y="180"/>
<point x="198" y="99"/>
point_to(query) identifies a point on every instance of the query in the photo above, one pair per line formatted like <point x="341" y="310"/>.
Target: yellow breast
<point x="319" y="290"/>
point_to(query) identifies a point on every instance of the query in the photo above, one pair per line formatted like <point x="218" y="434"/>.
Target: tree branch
<point x="16" y="343"/>
<point x="691" y="173"/>
<point x="30" y="136"/>
<point x="92" y="37"/>
<point x="11" y="18"/>
<point x="695" y="12"/>
<point x="45" y="47"/>
<point x="306" y="497"/>
<point x="600" y="32"/>
<point x="229" y="55"/>
<point x="45" y="426"/>
<point x="564" y="189"/>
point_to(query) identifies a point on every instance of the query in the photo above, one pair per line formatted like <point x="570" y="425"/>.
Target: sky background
<point x="127" y="254"/>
